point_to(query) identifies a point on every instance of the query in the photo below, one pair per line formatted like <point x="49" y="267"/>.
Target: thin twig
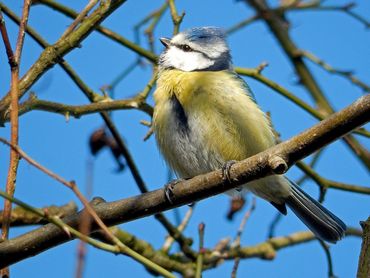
<point x="346" y="74"/>
<point x="236" y="244"/>
<point x="199" y="264"/>
<point x="85" y="224"/>
<point x="77" y="111"/>
<point x="102" y="30"/>
<point x="79" y="18"/>
<point x="176" y="18"/>
<point x="326" y="183"/>
<point x="157" y="15"/>
<point x="253" y="73"/>
<point x="242" y="24"/>
<point x="329" y="259"/>
<point x="185" y="221"/>
<point x="14" y="129"/>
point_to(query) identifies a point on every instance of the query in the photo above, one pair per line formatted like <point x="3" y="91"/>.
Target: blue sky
<point x="63" y="146"/>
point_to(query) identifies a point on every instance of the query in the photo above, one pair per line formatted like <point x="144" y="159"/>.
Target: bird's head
<point x="196" y="49"/>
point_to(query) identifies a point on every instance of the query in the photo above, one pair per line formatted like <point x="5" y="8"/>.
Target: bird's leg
<point x="168" y="189"/>
<point x="226" y="172"/>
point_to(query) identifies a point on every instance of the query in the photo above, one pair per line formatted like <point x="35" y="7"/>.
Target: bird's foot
<point x="168" y="189"/>
<point x="226" y="170"/>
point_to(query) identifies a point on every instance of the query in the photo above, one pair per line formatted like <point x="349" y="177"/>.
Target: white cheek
<point x="187" y="61"/>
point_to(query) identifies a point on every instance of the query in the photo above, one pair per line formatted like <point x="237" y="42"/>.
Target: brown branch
<point x="22" y="217"/>
<point x="275" y="160"/>
<point x="14" y="92"/>
<point x="33" y="103"/>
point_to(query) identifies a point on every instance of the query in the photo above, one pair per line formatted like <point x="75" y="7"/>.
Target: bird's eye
<point x="185" y="47"/>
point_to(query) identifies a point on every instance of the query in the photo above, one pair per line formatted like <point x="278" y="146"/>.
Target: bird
<point x="206" y="117"/>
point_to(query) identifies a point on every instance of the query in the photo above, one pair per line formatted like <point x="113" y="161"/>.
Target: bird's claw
<point x="168" y="190"/>
<point x="226" y="170"/>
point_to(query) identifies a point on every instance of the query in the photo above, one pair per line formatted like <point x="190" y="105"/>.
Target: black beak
<point x="166" y="42"/>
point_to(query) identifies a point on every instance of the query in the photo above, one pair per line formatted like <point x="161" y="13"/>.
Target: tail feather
<point x="324" y="224"/>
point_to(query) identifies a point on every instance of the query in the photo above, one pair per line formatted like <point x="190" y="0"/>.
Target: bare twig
<point x="325" y="183"/>
<point x="346" y="74"/>
<point x="176" y="18"/>
<point x="14" y="92"/>
<point x="328" y="257"/>
<point x="242" y="24"/>
<point x="102" y="30"/>
<point x="185" y="221"/>
<point x="33" y="103"/>
<point x="255" y="74"/>
<point x="156" y="16"/>
<point x="199" y="265"/>
<point x="85" y="225"/>
<point x="79" y="18"/>
<point x="236" y="243"/>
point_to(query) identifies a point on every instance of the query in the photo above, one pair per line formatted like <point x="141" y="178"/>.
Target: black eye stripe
<point x="184" y="47"/>
<point x="187" y="48"/>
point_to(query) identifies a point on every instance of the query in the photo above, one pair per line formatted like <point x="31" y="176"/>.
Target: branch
<point x="275" y="160"/>
<point x="346" y="74"/>
<point x="325" y="183"/>
<point x="53" y="53"/>
<point x="267" y="250"/>
<point x="14" y="129"/>
<point x="255" y="73"/>
<point x="176" y="18"/>
<point x="102" y="30"/>
<point x="33" y="103"/>
<point x="22" y="217"/>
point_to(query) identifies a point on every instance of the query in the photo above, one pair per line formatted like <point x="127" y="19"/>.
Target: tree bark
<point x="364" y="261"/>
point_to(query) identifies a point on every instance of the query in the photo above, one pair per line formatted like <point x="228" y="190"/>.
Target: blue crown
<point x="204" y="33"/>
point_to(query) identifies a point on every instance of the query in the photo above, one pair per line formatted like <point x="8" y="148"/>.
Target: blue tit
<point x="205" y="115"/>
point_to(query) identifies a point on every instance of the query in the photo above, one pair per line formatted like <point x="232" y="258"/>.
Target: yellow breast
<point x="222" y="117"/>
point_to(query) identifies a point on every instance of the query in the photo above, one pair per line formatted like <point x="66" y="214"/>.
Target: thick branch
<point x="275" y="160"/>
